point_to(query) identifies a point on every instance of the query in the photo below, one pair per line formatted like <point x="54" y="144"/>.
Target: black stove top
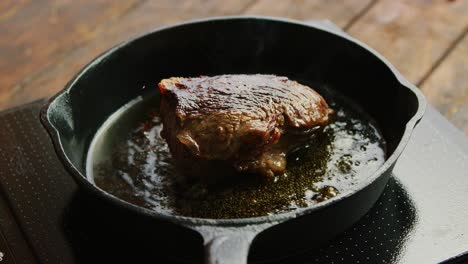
<point x="420" y="218"/>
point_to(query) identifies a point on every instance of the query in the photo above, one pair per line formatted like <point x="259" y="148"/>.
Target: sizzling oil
<point x="138" y="168"/>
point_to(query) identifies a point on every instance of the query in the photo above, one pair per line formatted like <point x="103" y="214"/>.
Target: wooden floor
<point x="44" y="43"/>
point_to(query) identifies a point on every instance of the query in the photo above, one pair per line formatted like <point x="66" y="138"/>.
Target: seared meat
<point x="244" y="123"/>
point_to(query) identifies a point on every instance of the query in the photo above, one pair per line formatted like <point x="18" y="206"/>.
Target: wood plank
<point x="412" y="34"/>
<point x="9" y="8"/>
<point x="146" y="16"/>
<point x="340" y="12"/>
<point x="447" y="87"/>
<point x="150" y="15"/>
<point x="36" y="33"/>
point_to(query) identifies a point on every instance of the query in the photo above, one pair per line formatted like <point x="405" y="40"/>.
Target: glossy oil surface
<point x="130" y="160"/>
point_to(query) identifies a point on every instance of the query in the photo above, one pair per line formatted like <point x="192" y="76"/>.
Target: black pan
<point x="313" y="54"/>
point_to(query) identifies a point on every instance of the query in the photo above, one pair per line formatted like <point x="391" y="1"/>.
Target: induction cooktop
<point x="420" y="218"/>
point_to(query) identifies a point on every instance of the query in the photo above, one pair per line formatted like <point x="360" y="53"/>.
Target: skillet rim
<point x="277" y="218"/>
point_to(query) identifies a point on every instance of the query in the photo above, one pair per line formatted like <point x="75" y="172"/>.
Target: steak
<point x="225" y="124"/>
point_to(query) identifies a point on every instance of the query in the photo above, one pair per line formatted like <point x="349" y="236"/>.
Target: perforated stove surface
<point x="420" y="218"/>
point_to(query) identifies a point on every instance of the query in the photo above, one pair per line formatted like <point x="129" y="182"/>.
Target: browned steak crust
<point x="243" y="122"/>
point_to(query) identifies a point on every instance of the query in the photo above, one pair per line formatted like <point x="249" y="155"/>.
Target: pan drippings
<point x="134" y="163"/>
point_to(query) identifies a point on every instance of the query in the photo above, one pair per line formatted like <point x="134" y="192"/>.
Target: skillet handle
<point x="228" y="247"/>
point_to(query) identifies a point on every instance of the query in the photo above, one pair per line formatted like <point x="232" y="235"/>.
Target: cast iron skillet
<point x="311" y="53"/>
